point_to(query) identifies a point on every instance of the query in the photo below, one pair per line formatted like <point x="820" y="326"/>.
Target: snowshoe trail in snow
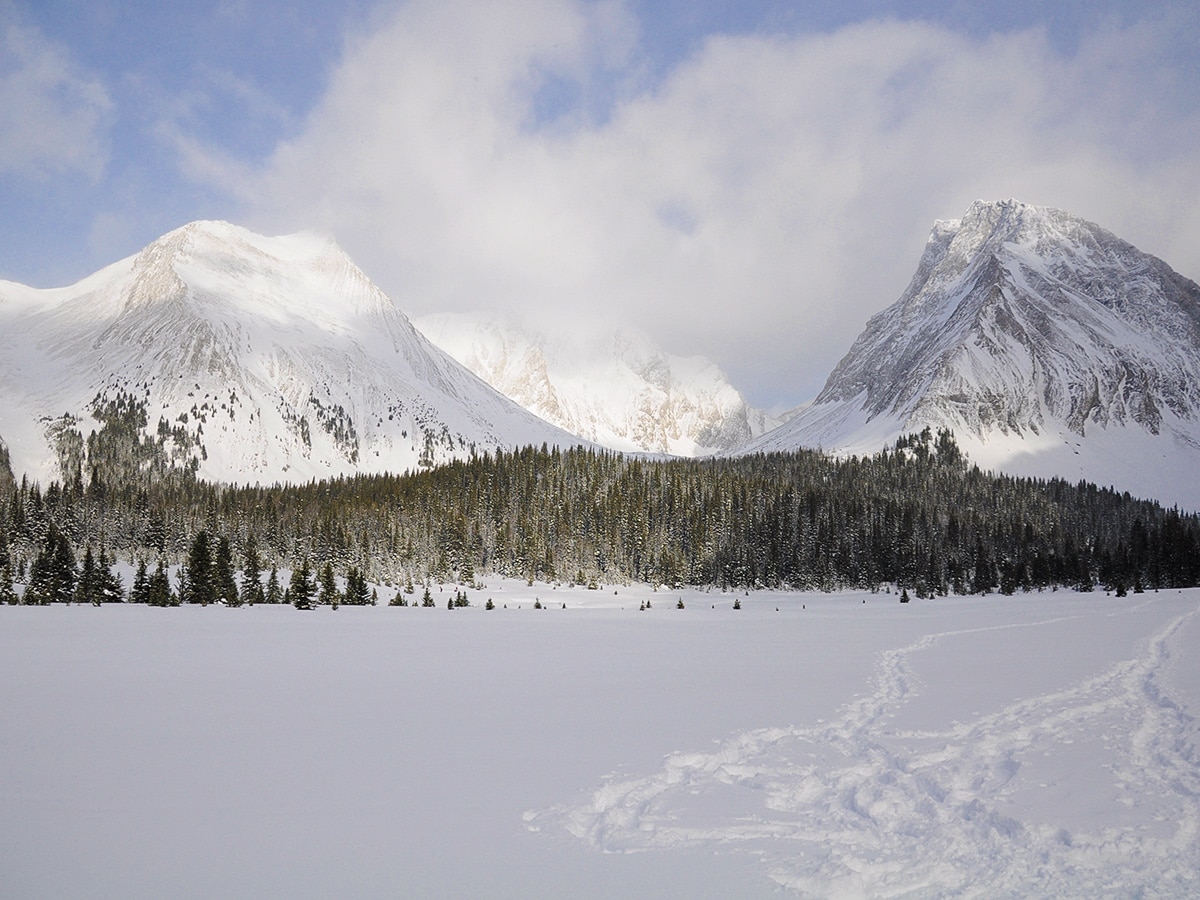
<point x="853" y="807"/>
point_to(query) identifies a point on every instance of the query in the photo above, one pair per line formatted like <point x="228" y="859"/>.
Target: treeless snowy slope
<point x="1038" y="745"/>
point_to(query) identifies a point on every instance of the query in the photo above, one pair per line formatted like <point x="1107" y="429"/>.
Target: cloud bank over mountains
<point x="755" y="205"/>
<point x="754" y="200"/>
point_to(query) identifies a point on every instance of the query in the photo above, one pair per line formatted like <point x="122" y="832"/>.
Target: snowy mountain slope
<point x="1048" y="345"/>
<point x="615" y="388"/>
<point x="253" y="359"/>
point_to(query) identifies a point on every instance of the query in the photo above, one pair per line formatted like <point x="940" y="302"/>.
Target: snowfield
<point x="846" y="745"/>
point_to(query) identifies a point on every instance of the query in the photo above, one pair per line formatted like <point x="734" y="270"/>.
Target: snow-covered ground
<point x="844" y="745"/>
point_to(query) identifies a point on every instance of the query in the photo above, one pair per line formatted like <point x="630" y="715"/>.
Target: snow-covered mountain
<point x="1048" y="345"/>
<point x="253" y="358"/>
<point x="614" y="387"/>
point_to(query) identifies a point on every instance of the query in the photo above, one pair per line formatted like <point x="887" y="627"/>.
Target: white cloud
<point x="756" y="206"/>
<point x="53" y="117"/>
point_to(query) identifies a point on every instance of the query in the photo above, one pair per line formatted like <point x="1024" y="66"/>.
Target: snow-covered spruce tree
<point x="111" y="589"/>
<point x="159" y="591"/>
<point x="198" y="586"/>
<point x="8" y="593"/>
<point x="302" y="587"/>
<point x="357" y="593"/>
<point x="224" y="585"/>
<point x="53" y="574"/>
<point x="252" y="586"/>
<point x="140" y="590"/>
<point x="329" y="594"/>
<point x="274" y="592"/>
<point x="87" y="586"/>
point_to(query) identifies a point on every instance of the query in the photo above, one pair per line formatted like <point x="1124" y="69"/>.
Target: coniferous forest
<point x="918" y="516"/>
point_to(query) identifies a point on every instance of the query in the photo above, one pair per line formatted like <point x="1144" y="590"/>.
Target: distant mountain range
<point x="615" y="388"/>
<point x="1048" y="345"/>
<point x="252" y="359"/>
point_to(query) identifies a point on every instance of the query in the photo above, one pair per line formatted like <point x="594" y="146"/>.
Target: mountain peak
<point x="250" y="358"/>
<point x="1025" y="330"/>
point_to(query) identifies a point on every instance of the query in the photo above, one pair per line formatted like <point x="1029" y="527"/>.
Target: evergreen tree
<point x="198" y="586"/>
<point x="329" y="595"/>
<point x="53" y="574"/>
<point x="224" y="585"/>
<point x="357" y="593"/>
<point x="427" y="598"/>
<point x="111" y="589"/>
<point x="8" y="593"/>
<point x="985" y="574"/>
<point x="302" y="587"/>
<point x="252" y="586"/>
<point x="88" y="586"/>
<point x="181" y="577"/>
<point x="159" y="589"/>
<point x="274" y="593"/>
<point x="140" y="591"/>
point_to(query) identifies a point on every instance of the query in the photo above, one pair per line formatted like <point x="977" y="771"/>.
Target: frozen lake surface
<point x="807" y="744"/>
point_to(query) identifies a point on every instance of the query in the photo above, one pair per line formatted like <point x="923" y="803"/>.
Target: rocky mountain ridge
<point x="1047" y="344"/>
<point x="614" y="387"/>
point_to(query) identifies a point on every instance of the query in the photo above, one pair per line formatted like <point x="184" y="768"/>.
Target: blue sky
<point x="747" y="180"/>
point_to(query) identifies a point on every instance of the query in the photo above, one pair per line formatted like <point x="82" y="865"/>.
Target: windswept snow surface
<point x="1039" y="745"/>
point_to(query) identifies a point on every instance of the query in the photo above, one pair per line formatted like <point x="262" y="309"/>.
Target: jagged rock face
<point x="254" y="359"/>
<point x="615" y="388"/>
<point x="1047" y="344"/>
<point x="1018" y="317"/>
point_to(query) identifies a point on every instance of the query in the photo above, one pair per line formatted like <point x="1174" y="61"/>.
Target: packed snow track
<point x="859" y="806"/>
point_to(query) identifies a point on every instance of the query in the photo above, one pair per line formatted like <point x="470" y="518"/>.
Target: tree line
<point x="917" y="516"/>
